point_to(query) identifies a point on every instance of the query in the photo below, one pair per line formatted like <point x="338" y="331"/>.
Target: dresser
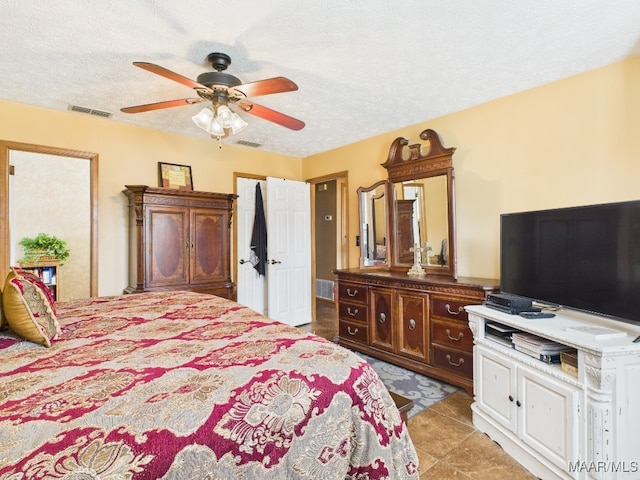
<point x="179" y="240"/>
<point x="418" y="323"/>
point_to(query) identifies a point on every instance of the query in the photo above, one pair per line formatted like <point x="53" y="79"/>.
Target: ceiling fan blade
<point x="267" y="87"/>
<point x="176" y="77"/>
<point x="271" y="115"/>
<point x="158" y="105"/>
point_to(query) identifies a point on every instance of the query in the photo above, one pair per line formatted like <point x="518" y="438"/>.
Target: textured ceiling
<point x="363" y="67"/>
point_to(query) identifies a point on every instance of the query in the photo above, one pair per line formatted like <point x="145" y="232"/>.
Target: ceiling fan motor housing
<point x="220" y="62"/>
<point x="210" y="79"/>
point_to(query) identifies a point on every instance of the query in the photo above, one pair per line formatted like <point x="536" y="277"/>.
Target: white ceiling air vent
<point x="249" y="144"/>
<point x="90" y="111"/>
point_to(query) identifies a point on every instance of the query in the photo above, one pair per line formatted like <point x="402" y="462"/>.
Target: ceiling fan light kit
<point x="216" y="121"/>
<point x="221" y="89"/>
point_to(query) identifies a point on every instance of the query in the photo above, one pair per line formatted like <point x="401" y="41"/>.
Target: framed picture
<point x="171" y="175"/>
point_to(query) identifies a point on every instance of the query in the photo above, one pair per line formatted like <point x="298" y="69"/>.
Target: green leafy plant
<point x="44" y="245"/>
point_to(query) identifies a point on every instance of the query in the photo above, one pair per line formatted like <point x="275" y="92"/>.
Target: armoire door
<point x="167" y="246"/>
<point x="405" y="234"/>
<point x="208" y="246"/>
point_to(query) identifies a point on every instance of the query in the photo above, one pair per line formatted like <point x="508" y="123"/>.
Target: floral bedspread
<point x="180" y="385"/>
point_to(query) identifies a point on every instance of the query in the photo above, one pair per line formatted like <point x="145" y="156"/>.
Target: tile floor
<point x="448" y="445"/>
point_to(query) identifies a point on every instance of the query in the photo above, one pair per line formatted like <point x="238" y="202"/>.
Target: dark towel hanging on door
<point x="258" y="255"/>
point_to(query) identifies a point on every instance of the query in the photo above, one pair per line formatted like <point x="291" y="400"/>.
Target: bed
<point x="181" y="385"/>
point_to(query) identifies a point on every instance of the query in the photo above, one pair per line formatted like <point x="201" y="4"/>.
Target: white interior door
<point x="252" y="287"/>
<point x="288" y="214"/>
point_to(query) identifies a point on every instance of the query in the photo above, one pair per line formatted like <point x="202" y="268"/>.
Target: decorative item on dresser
<point x="179" y="240"/>
<point x="418" y="323"/>
<point x="397" y="314"/>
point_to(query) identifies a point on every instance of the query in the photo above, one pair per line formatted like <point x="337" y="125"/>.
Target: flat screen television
<point x="585" y="258"/>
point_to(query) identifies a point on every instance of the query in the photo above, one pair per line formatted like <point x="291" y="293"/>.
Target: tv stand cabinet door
<point x="495" y="387"/>
<point x="549" y="416"/>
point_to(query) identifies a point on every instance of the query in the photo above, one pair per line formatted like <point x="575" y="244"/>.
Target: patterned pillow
<point x="36" y="280"/>
<point x="28" y="309"/>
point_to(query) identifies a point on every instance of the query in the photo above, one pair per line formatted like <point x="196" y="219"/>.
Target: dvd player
<point x="511" y="310"/>
<point x="509" y="300"/>
<point x="508" y="303"/>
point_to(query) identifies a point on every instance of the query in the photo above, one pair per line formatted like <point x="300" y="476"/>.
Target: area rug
<point x="424" y="391"/>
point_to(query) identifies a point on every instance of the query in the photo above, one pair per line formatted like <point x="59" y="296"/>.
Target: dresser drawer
<point x="449" y="308"/>
<point x="452" y="334"/>
<point x="351" y="311"/>
<point x="354" y="332"/>
<point x="453" y="360"/>
<point x="352" y="292"/>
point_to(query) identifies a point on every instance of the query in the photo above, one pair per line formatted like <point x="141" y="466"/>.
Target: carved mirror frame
<point x="374" y="228"/>
<point x="407" y="163"/>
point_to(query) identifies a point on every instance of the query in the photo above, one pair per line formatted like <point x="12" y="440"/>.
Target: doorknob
<point x="243" y="261"/>
<point x="273" y="262"/>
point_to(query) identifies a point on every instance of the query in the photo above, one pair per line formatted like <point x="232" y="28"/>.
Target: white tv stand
<point x="554" y="424"/>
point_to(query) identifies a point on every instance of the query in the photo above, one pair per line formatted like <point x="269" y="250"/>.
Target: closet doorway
<point x="35" y="181"/>
<point x="329" y="206"/>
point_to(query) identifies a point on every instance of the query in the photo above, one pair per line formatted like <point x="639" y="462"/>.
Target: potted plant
<point x="44" y="246"/>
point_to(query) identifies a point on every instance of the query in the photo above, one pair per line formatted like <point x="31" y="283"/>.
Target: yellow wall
<point x="572" y="142"/>
<point x="130" y="155"/>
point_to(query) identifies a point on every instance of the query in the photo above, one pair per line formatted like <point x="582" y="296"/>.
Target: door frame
<point x="5" y="170"/>
<point x="342" y="223"/>
<point x="342" y="234"/>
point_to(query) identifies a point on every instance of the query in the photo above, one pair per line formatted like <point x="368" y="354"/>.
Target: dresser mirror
<point x="422" y="208"/>
<point x="374" y="224"/>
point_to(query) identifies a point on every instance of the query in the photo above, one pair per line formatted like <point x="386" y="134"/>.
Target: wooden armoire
<point x="179" y="240"/>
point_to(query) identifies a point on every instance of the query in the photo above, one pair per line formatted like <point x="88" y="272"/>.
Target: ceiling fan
<point x="222" y="89"/>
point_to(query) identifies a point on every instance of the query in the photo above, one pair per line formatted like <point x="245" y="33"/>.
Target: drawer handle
<point x="382" y="318"/>
<point x="412" y="324"/>
<point x="355" y="292"/>
<point x="448" y="307"/>
<point x="460" y="362"/>
<point x="355" y="330"/>
<point x="455" y="339"/>
<point x="352" y="313"/>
